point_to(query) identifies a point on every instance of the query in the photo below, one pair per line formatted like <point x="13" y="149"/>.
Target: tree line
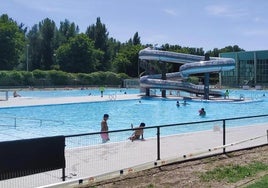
<point x="47" y="47"/>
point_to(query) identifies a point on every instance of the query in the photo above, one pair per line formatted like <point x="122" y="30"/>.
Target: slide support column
<point x="147" y="92"/>
<point x="164" y="76"/>
<point x="206" y="86"/>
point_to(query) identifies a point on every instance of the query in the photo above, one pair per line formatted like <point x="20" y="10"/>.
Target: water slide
<point x="191" y="64"/>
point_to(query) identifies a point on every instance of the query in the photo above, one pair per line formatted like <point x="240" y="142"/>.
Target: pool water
<point x="79" y="118"/>
<point x="72" y="92"/>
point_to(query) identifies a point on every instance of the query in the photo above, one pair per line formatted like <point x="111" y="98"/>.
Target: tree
<point x="127" y="59"/>
<point x="99" y="34"/>
<point x="47" y="31"/>
<point x="12" y="43"/>
<point x="136" y="39"/>
<point x="121" y="63"/>
<point x="216" y="51"/>
<point x="34" y="53"/>
<point x="78" y="55"/>
<point x="67" y="30"/>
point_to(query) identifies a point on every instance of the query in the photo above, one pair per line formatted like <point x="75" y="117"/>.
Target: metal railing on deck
<point x="158" y="130"/>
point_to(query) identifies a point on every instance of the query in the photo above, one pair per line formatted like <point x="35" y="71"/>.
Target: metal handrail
<point x="158" y="134"/>
<point x="170" y="125"/>
<point x="15" y="118"/>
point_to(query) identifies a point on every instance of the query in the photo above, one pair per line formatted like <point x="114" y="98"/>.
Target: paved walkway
<point x="27" y="101"/>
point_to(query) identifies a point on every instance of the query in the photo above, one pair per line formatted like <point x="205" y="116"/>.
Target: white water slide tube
<point x="192" y="64"/>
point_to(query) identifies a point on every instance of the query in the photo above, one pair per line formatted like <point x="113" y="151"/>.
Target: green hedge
<point x="59" y="78"/>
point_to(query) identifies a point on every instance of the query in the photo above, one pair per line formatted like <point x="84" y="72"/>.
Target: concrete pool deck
<point x="31" y="101"/>
<point x="94" y="161"/>
<point x="28" y="101"/>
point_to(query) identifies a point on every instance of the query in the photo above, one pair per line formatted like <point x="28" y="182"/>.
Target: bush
<point x="122" y="76"/>
<point x="85" y="79"/>
<point x="97" y="78"/>
<point x="4" y="78"/>
<point x="16" y="78"/>
<point x="59" y="78"/>
<point x="39" y="74"/>
<point x="112" y="79"/>
<point x="28" y="78"/>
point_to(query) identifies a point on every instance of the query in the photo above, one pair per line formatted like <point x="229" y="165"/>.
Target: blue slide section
<point x="191" y="64"/>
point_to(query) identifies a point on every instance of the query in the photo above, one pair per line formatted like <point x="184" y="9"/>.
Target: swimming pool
<point x="79" y="118"/>
<point x="72" y="92"/>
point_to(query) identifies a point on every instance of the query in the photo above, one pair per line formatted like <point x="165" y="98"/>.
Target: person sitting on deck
<point x="15" y="94"/>
<point x="137" y="133"/>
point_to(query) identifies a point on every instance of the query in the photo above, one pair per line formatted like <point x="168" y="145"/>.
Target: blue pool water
<point x="72" y="92"/>
<point x="79" y="118"/>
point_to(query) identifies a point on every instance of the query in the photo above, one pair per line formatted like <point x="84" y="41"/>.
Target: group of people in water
<point x="184" y="103"/>
<point x="201" y="112"/>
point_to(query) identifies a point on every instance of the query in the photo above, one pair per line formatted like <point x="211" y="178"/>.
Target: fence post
<point x="158" y="143"/>
<point x="224" y="135"/>
<point x="267" y="134"/>
<point x="63" y="174"/>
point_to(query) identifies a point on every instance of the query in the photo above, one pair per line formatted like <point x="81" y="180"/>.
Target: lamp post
<point x="27" y="58"/>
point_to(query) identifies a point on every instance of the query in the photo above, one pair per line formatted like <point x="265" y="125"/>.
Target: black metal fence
<point x="88" y="159"/>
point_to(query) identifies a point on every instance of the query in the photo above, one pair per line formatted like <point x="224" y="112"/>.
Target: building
<point x="251" y="69"/>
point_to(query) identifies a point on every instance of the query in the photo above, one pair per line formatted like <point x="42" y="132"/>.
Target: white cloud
<point x="256" y="32"/>
<point x="216" y="10"/>
<point x="170" y="12"/>
<point x="259" y="20"/>
<point x="225" y="11"/>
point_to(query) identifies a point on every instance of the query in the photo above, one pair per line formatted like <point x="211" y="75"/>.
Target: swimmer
<point x="185" y="103"/>
<point x="178" y="104"/>
<point x="202" y="112"/>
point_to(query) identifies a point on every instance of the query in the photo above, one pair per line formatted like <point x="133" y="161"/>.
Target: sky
<point x="206" y="24"/>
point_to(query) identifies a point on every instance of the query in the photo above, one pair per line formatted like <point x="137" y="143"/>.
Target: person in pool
<point x="202" y="112"/>
<point x="138" y="132"/>
<point x="185" y="103"/>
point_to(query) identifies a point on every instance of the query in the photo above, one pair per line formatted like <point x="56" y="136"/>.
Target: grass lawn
<point x="233" y="173"/>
